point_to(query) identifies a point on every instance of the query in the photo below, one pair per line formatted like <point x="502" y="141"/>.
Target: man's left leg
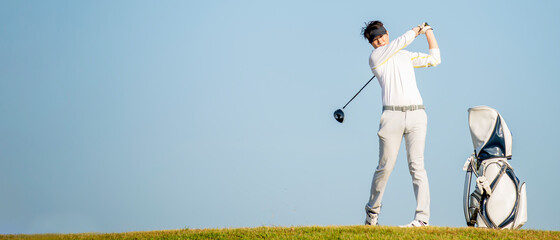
<point x="415" y="139"/>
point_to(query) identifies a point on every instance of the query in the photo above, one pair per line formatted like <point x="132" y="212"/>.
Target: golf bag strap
<point x="404" y="108"/>
<point x="498" y="177"/>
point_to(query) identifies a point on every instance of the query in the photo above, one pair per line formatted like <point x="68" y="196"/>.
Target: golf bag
<point x="499" y="199"/>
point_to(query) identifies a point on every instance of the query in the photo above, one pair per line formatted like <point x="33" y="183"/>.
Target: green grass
<point x="333" y="232"/>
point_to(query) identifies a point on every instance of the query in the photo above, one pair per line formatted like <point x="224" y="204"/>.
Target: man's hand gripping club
<point x="424" y="27"/>
<point x="421" y="28"/>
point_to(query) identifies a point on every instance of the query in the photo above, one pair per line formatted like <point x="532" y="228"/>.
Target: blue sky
<point x="144" y="115"/>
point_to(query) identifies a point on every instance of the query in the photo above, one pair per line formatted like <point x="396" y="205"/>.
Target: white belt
<point x="404" y="108"/>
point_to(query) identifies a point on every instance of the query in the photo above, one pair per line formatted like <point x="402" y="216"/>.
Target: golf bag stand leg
<point x="469" y="218"/>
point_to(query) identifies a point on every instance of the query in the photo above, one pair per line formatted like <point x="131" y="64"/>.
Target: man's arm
<point x="383" y="54"/>
<point x="432" y="43"/>
<point x="427" y="60"/>
<point x="420" y="60"/>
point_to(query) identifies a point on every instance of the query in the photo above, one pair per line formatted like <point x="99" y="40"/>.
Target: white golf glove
<point x="424" y="27"/>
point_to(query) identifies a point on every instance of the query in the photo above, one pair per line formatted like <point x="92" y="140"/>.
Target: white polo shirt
<point x="394" y="69"/>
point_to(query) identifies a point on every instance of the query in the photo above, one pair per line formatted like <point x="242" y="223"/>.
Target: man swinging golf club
<point x="403" y="113"/>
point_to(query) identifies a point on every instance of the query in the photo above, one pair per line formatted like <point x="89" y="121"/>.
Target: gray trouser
<point x="392" y="127"/>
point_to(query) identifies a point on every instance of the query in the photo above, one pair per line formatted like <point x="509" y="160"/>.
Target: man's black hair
<point x="373" y="29"/>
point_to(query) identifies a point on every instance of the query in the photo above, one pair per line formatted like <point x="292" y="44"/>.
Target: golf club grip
<point x="358" y="92"/>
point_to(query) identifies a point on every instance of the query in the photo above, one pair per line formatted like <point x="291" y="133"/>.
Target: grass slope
<point x="333" y="232"/>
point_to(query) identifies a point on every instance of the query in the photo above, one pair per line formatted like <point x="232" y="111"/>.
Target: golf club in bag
<point x="339" y="114"/>
<point x="499" y="199"/>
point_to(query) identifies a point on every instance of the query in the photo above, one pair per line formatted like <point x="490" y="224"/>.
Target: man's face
<point x="380" y="41"/>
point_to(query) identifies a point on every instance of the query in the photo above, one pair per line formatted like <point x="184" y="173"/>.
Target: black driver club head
<point x="339" y="115"/>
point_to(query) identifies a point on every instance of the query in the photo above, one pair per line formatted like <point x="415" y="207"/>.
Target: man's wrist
<point x="428" y="30"/>
<point x="416" y="30"/>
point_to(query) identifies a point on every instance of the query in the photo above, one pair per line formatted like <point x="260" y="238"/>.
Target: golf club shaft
<point x="358" y="92"/>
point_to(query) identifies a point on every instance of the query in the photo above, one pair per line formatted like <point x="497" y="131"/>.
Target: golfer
<point x="403" y="113"/>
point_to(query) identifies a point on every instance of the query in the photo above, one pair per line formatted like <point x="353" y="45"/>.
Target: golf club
<point x="339" y="114"/>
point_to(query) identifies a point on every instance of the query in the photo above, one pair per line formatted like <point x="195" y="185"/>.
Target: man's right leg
<point x="391" y="129"/>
